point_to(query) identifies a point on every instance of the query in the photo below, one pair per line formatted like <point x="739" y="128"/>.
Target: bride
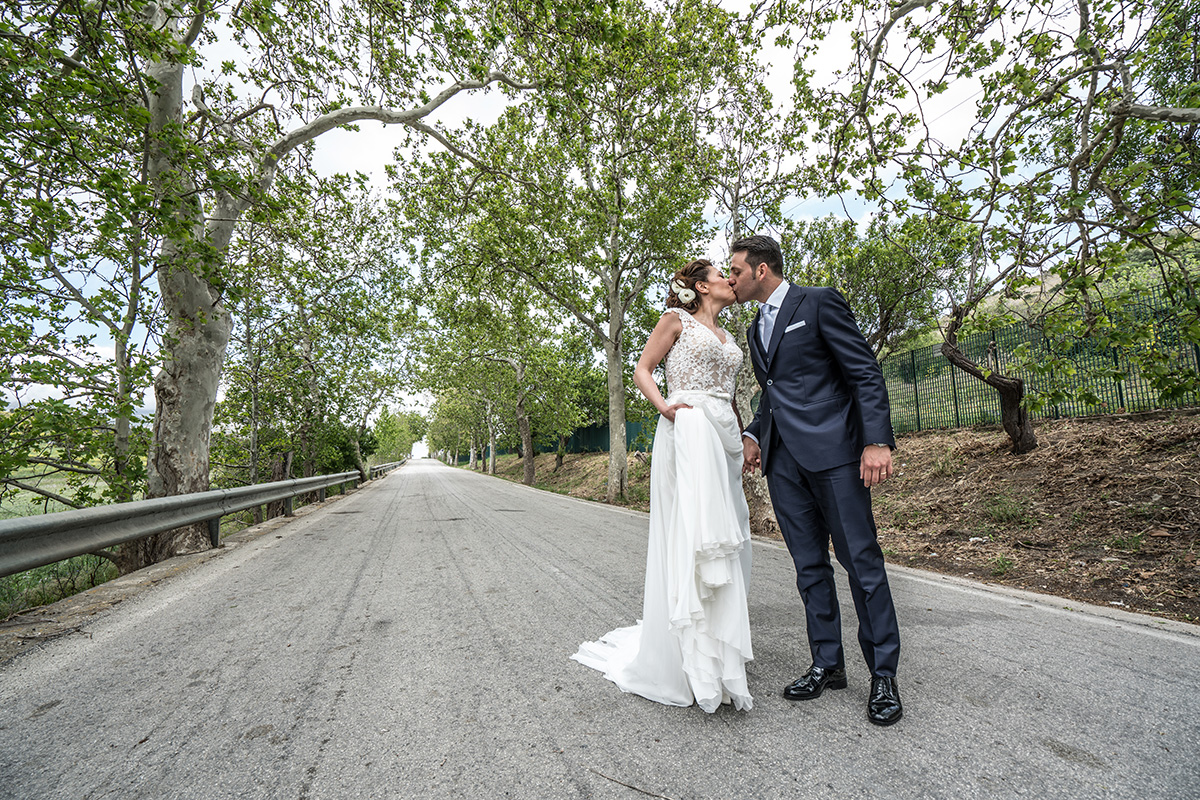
<point x="693" y="640"/>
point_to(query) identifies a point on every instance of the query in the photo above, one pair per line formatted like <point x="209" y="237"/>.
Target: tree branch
<point x="60" y="466"/>
<point x="106" y="555"/>
<point x="873" y="58"/>
<point x="43" y="492"/>
<point x="1182" y="116"/>
<point x="75" y="293"/>
<point x="388" y="116"/>
<point x="194" y="30"/>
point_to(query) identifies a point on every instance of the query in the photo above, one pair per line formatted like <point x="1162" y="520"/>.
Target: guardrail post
<point x="321" y="495"/>
<point x="287" y="506"/>
<point x="214" y="531"/>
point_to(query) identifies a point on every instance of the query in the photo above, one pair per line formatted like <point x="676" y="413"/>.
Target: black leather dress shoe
<point x="884" y="706"/>
<point x="815" y="681"/>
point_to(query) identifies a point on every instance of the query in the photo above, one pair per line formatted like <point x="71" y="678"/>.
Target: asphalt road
<point x="412" y="640"/>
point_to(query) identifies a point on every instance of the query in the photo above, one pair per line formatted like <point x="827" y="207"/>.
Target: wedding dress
<point x="693" y="640"/>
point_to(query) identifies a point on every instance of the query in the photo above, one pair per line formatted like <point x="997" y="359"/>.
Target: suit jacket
<point x="823" y="393"/>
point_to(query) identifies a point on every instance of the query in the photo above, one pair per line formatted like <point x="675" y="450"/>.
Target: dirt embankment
<point x="1106" y="510"/>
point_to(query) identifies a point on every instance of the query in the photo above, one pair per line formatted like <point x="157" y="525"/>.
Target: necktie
<point x="768" y="324"/>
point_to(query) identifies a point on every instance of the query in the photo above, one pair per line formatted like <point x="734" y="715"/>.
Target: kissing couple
<point x="822" y="436"/>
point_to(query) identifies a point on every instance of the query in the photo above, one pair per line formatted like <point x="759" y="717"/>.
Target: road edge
<point x="29" y="630"/>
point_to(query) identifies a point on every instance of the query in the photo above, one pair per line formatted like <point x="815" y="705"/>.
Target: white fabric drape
<point x="693" y="640"/>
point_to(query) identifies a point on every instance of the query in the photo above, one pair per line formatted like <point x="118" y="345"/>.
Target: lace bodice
<point x="698" y="361"/>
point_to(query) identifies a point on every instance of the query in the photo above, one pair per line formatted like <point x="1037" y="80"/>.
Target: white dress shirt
<point x="768" y="312"/>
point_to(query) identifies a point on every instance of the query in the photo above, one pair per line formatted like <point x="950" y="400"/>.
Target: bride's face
<point x="719" y="288"/>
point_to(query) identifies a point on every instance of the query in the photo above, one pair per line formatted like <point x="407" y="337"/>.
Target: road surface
<point x="413" y="640"/>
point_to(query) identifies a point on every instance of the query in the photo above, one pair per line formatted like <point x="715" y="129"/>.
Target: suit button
<point x="770" y="382"/>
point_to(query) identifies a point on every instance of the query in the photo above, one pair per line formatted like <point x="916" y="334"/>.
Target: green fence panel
<point x="927" y="391"/>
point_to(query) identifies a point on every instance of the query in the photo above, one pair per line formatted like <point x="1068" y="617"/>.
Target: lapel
<point x="756" y="349"/>
<point x="791" y="301"/>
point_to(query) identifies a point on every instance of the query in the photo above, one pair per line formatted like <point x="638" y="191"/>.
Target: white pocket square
<point x="795" y="325"/>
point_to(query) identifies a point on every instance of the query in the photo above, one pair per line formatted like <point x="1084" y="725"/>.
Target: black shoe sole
<point x="834" y="685"/>
<point x="883" y="723"/>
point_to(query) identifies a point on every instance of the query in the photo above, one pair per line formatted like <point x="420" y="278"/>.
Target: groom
<point x="822" y="436"/>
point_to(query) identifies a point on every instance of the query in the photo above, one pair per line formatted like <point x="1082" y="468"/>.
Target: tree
<point x="574" y="395"/>
<point x="598" y="179"/>
<point x="200" y="153"/>
<point x="454" y="419"/>
<point x="749" y="176"/>
<point x="321" y="318"/>
<point x="77" y="219"/>
<point x="893" y="276"/>
<point x="397" y="432"/>
<point x="1079" y="146"/>
<point x="481" y="323"/>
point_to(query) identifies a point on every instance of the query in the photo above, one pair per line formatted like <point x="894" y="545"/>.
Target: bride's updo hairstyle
<point x="687" y="278"/>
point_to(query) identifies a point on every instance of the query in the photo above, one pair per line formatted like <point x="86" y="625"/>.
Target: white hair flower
<point x="684" y="294"/>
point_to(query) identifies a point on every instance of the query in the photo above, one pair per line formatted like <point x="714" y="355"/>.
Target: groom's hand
<point x="876" y="465"/>
<point x="751" y="455"/>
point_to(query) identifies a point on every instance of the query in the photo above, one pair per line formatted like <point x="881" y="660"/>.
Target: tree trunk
<point x="527" y="453"/>
<point x="122" y="422"/>
<point x="198" y="330"/>
<point x="1013" y="415"/>
<point x="281" y="470"/>
<point x="562" y="450"/>
<point x="491" y="442"/>
<point x="313" y="401"/>
<point x="252" y="355"/>
<point x="364" y="471"/>
<point x="618" y="468"/>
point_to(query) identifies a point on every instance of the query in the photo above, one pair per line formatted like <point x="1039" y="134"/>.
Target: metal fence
<point x="28" y="542"/>
<point x="639" y="436"/>
<point x="927" y="391"/>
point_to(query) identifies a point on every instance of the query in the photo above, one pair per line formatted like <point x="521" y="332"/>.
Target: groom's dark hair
<point x="760" y="250"/>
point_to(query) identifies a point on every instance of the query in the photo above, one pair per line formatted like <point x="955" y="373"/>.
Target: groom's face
<point x="743" y="278"/>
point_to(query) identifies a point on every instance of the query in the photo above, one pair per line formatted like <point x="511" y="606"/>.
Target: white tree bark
<point x="618" y="467"/>
<point x="198" y="329"/>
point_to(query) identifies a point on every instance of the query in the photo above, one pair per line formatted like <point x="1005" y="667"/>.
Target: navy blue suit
<point x="824" y="399"/>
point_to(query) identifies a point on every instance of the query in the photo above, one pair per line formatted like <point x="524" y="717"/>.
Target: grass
<point x="1001" y="565"/>
<point x="1148" y="511"/>
<point x="1004" y="509"/>
<point x="53" y="582"/>
<point x="1131" y="543"/>
<point x="26" y="504"/>
<point x="48" y="584"/>
<point x="948" y="463"/>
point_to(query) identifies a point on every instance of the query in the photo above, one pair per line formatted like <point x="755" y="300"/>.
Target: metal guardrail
<point x="383" y="469"/>
<point x="28" y="542"/>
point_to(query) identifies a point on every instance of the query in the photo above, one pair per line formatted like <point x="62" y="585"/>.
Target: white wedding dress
<point x="693" y="640"/>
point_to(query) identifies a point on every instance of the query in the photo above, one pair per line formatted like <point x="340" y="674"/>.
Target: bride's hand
<point x="669" y="411"/>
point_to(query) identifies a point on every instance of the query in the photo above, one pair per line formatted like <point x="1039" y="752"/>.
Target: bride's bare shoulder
<point x="673" y="317"/>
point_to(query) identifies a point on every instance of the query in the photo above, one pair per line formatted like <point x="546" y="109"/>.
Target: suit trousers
<point x="814" y="508"/>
